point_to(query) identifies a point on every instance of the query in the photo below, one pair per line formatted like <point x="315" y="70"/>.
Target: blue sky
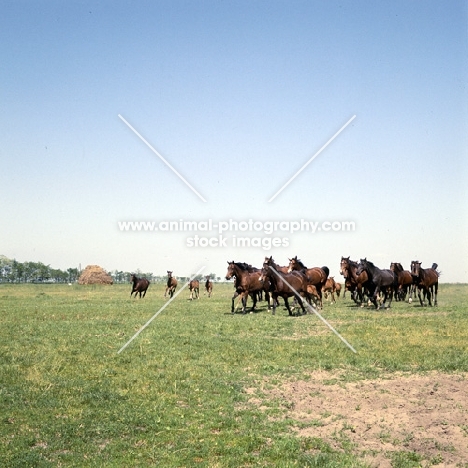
<point x="237" y="96"/>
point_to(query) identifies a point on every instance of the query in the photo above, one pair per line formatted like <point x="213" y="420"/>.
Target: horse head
<point x="294" y="264"/>
<point x="362" y="266"/>
<point x="344" y="265"/>
<point x="415" y="268"/>
<point x="231" y="270"/>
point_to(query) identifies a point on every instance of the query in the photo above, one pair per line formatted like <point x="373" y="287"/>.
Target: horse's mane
<point x="398" y="267"/>
<point x="299" y="262"/>
<point x="368" y="262"/>
<point x="245" y="266"/>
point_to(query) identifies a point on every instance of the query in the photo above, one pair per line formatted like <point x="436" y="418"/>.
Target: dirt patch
<point x="426" y="415"/>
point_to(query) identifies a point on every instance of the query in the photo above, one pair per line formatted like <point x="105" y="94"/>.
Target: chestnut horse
<point x="427" y="279"/>
<point x="353" y="282"/>
<point x="208" y="285"/>
<point x="140" y="285"/>
<point x="194" y="287"/>
<point x="171" y="284"/>
<point x="285" y="285"/>
<point x="330" y="288"/>
<point x="405" y="281"/>
<point x="316" y="276"/>
<point x="247" y="282"/>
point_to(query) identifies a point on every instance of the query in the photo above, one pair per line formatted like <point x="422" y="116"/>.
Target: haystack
<point x="94" y="274"/>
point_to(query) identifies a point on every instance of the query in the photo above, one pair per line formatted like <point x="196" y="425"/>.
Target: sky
<point x="236" y="96"/>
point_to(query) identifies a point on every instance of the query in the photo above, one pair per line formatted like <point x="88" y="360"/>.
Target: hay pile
<point x="94" y="274"/>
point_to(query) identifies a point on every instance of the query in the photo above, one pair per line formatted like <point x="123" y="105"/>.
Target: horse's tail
<point x="326" y="270"/>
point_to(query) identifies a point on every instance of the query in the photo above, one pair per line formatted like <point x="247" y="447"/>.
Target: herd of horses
<point x="140" y="286"/>
<point x="308" y="286"/>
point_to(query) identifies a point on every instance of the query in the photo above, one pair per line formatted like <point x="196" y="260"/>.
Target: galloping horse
<point x="194" y="287"/>
<point x="316" y="276"/>
<point x="383" y="280"/>
<point x="427" y="279"/>
<point x="405" y="281"/>
<point x="140" y="285"/>
<point x="329" y="288"/>
<point x="283" y="282"/>
<point x="246" y="283"/>
<point x="171" y="284"/>
<point x="354" y="282"/>
<point x="208" y="285"/>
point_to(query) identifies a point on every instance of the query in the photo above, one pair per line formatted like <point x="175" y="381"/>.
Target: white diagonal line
<point x="160" y="310"/>
<point x="162" y="159"/>
<point x="312" y="158"/>
<point x="314" y="309"/>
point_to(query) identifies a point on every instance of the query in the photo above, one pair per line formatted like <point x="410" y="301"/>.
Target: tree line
<point x="12" y="271"/>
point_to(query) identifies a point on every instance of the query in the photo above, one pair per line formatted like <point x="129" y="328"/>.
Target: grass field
<point x="176" y="396"/>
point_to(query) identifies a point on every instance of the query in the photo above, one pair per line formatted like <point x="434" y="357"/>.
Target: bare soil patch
<point x="375" y="419"/>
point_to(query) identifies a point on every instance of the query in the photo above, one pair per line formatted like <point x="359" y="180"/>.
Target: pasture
<point x="203" y="387"/>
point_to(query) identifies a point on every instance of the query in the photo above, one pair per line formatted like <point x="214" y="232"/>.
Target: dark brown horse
<point x="405" y="281"/>
<point x="285" y="285"/>
<point x="140" y="285"/>
<point x="171" y="284"/>
<point x="316" y="276"/>
<point x="208" y="285"/>
<point x="247" y="282"/>
<point x="427" y="280"/>
<point x="354" y="283"/>
<point x="384" y="281"/>
<point x="194" y="287"/>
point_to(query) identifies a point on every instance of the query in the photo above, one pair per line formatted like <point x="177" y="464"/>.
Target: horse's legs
<point x="419" y="295"/>
<point x="275" y="302"/>
<point x="245" y="296"/>
<point x="286" y="303"/>
<point x="232" y="303"/>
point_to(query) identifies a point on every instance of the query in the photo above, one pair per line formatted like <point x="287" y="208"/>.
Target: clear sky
<point x="237" y="96"/>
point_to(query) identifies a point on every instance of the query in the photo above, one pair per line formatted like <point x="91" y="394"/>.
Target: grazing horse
<point x="283" y="282"/>
<point x="383" y="280"/>
<point x="140" y="285"/>
<point x="355" y="283"/>
<point x="246" y="283"/>
<point x="171" y="284"/>
<point x="427" y="279"/>
<point x="208" y="285"/>
<point x="194" y="287"/>
<point x="316" y="276"/>
<point x="405" y="281"/>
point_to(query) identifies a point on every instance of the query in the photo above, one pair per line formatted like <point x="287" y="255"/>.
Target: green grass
<point x="176" y="396"/>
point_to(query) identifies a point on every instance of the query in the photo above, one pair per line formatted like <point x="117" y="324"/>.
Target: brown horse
<point x="194" y="287"/>
<point x="405" y="281"/>
<point x="427" y="280"/>
<point x="285" y="285"/>
<point x="208" y="285"/>
<point x="330" y="288"/>
<point x="355" y="283"/>
<point x="171" y="284"/>
<point x="316" y="276"/>
<point x="247" y="282"/>
<point x="140" y="285"/>
<point x="337" y="289"/>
